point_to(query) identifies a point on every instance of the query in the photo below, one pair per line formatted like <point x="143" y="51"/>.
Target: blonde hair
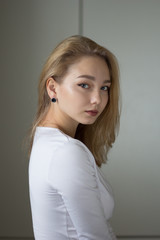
<point x="99" y="136"/>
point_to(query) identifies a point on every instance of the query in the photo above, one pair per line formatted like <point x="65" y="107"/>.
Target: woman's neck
<point x="58" y="120"/>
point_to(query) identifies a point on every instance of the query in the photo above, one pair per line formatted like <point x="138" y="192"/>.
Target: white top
<point x="69" y="197"/>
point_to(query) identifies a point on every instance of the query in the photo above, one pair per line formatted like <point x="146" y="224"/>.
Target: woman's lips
<point x="92" y="112"/>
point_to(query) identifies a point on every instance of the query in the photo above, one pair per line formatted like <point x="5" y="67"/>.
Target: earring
<point x="53" y="100"/>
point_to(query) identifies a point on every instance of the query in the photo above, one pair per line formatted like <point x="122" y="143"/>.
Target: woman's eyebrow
<point x="92" y="78"/>
<point x="87" y="76"/>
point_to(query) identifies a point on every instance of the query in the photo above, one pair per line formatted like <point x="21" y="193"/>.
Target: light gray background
<point x="30" y="29"/>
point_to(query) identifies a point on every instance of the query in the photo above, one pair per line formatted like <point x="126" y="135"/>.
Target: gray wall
<point x="131" y="29"/>
<point x="29" y="31"/>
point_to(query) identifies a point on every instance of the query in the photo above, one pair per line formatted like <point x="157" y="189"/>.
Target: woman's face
<point x="83" y="93"/>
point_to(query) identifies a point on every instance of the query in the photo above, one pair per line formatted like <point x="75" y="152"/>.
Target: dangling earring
<point x="53" y="100"/>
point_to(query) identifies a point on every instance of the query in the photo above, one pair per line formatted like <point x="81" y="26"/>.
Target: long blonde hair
<point x="99" y="136"/>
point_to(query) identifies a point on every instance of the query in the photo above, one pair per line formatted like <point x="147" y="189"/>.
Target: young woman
<point x="74" y="128"/>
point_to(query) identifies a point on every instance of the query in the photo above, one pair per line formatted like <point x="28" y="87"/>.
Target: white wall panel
<point x="131" y="30"/>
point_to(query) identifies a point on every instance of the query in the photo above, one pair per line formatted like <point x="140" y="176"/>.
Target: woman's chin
<point x="88" y="122"/>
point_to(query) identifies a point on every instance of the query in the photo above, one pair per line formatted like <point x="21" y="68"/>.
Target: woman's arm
<point x="72" y="173"/>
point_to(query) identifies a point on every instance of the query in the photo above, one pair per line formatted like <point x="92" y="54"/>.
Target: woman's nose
<point x="96" y="97"/>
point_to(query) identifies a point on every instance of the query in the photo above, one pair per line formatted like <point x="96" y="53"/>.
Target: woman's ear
<point x="51" y="87"/>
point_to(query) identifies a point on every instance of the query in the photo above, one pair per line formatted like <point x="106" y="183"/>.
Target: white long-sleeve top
<point x="69" y="197"/>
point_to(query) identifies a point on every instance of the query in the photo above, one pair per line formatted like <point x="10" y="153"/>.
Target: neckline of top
<point x="53" y="129"/>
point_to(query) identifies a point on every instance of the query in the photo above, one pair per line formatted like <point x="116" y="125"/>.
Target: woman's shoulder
<point x="58" y="142"/>
<point x="50" y="135"/>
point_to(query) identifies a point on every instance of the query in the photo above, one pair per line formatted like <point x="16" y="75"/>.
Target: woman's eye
<point x="83" y="85"/>
<point x="105" y="88"/>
